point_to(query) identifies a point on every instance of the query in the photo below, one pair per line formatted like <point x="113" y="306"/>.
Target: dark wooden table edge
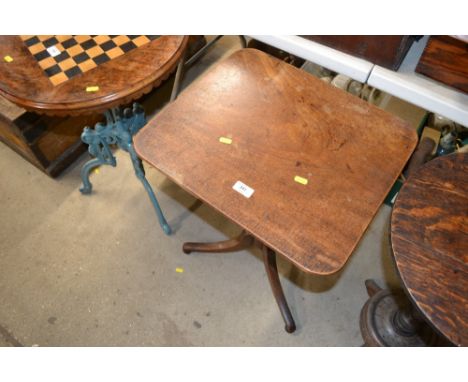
<point x="411" y="299"/>
<point x="402" y="280"/>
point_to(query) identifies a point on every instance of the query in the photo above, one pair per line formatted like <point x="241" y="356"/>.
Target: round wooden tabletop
<point x="429" y="235"/>
<point x="120" y="80"/>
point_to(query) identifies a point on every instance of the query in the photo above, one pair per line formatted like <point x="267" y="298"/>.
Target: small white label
<point x="243" y="189"/>
<point x="53" y="51"/>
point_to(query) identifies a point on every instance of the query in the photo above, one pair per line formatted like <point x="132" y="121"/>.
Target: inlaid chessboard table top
<point x="83" y="74"/>
<point x="63" y="57"/>
<point x="281" y="128"/>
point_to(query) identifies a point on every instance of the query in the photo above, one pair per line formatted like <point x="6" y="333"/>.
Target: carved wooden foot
<point x="244" y="240"/>
<point x="269" y="259"/>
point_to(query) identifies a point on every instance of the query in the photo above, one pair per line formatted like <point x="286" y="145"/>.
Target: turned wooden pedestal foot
<point x="245" y="240"/>
<point x="389" y="319"/>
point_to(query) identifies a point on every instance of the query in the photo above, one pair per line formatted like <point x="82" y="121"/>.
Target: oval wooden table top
<point x="320" y="161"/>
<point x="120" y="77"/>
<point x="429" y="235"/>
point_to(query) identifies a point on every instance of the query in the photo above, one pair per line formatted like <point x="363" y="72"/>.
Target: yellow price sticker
<point x="179" y="270"/>
<point x="301" y="180"/>
<point x="225" y="140"/>
<point x="92" y="89"/>
<point x="8" y="58"/>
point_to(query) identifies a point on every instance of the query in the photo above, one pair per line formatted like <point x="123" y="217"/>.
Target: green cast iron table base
<point x="118" y="130"/>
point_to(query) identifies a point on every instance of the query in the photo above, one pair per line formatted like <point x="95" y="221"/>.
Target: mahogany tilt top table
<point x="302" y="167"/>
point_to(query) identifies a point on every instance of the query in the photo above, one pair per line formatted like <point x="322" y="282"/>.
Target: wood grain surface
<point x="283" y="123"/>
<point x="445" y="59"/>
<point x="429" y="235"/>
<point x="120" y="80"/>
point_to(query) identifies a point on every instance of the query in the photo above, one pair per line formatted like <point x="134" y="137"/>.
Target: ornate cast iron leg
<point x="269" y="259"/>
<point x="242" y="241"/>
<point x="140" y="173"/>
<point x="119" y="129"/>
<point x="98" y="141"/>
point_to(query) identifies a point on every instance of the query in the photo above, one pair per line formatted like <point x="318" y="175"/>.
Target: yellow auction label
<point x="225" y="140"/>
<point x="301" y="180"/>
<point x="92" y="89"/>
<point x="8" y="58"/>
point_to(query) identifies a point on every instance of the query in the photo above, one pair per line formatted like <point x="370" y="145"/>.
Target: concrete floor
<point x="97" y="270"/>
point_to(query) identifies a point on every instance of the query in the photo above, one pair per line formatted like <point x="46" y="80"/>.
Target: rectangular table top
<point x="285" y="128"/>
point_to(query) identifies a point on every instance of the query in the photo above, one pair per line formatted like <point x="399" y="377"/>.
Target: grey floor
<point x="97" y="271"/>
